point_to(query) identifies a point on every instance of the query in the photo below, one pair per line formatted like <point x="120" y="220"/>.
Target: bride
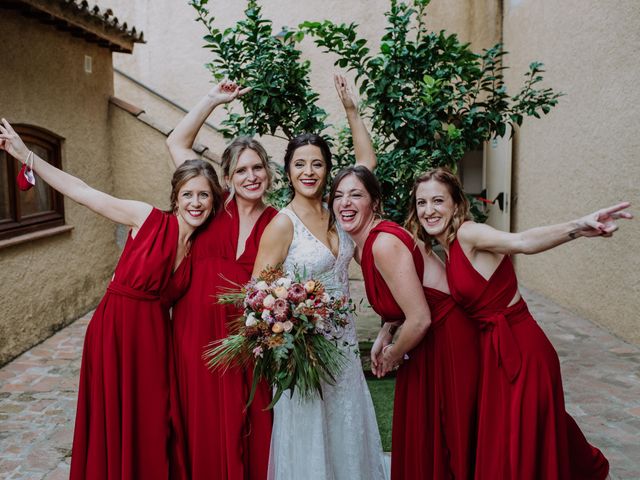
<point x="334" y="438"/>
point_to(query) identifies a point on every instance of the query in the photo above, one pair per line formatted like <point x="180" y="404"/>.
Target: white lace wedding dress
<point x="334" y="438"/>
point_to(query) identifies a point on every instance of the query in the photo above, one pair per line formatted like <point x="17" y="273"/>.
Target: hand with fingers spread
<point x="347" y="96"/>
<point x="226" y="91"/>
<point x="602" y="223"/>
<point x="181" y="139"/>
<point x="11" y="142"/>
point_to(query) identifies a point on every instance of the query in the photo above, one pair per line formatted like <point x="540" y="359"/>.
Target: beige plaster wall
<point x="47" y="283"/>
<point x="475" y="21"/>
<point x="584" y="155"/>
<point x="142" y="166"/>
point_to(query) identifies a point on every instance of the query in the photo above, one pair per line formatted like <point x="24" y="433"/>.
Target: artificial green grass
<point x="382" y="391"/>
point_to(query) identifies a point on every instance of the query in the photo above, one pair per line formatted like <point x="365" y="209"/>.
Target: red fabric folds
<point x="124" y="420"/>
<point x="524" y="432"/>
<point x="223" y="439"/>
<point x="435" y="399"/>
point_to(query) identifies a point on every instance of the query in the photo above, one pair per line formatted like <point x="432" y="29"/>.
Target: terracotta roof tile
<point x="94" y="24"/>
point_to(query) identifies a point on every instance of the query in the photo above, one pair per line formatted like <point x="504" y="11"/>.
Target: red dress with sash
<point x="524" y="432"/>
<point x="224" y="441"/>
<point x="434" y="416"/>
<point x="123" y="421"/>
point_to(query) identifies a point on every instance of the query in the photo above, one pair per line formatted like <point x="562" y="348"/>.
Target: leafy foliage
<point x="282" y="100"/>
<point x="428" y="97"/>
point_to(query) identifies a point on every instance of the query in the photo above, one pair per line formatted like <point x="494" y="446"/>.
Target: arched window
<point x="40" y="207"/>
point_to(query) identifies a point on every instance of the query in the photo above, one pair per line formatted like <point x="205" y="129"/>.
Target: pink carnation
<point x="280" y="309"/>
<point x="297" y="293"/>
<point x="255" y="298"/>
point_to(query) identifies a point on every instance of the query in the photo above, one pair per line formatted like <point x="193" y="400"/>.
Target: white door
<point x="497" y="180"/>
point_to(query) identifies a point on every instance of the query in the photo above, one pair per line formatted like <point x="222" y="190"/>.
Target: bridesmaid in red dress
<point x="524" y="432"/>
<point x="224" y="440"/>
<point x="123" y="421"/>
<point x="435" y="398"/>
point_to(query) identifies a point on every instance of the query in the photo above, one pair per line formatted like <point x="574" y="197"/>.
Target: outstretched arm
<point x="362" y="145"/>
<point x="127" y="212"/>
<point x="601" y="223"/>
<point x="182" y="137"/>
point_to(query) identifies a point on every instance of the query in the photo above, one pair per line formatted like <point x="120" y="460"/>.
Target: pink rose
<point x="297" y="293"/>
<point x="288" y="326"/>
<point x="280" y="309"/>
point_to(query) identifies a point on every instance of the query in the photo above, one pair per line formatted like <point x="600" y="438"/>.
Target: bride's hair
<point x="308" y="139"/>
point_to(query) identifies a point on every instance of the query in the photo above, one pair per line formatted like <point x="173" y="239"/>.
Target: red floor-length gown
<point x="123" y="425"/>
<point x="434" y="417"/>
<point x="524" y="432"/>
<point x="223" y="440"/>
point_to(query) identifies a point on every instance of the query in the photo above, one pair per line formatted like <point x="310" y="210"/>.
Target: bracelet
<point x="29" y="157"/>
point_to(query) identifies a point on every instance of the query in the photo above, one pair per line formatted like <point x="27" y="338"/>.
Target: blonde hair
<point x="230" y="158"/>
<point x="460" y="215"/>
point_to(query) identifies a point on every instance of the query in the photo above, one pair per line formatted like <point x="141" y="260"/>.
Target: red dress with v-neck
<point x="123" y="420"/>
<point x="434" y="415"/>
<point x="524" y="431"/>
<point x="224" y="440"/>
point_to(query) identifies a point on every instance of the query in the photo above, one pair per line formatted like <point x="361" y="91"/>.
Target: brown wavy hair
<point x="368" y="180"/>
<point x="192" y="169"/>
<point x="461" y="213"/>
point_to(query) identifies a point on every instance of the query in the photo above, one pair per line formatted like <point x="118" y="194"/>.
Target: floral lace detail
<point x="336" y="437"/>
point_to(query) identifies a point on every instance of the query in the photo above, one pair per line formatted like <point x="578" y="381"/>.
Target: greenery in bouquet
<point x="290" y="332"/>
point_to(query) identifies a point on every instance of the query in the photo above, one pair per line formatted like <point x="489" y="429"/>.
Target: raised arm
<point x="395" y="264"/>
<point x="127" y="212"/>
<point x="362" y="145"/>
<point x="274" y="244"/>
<point x="182" y="137"/>
<point x="601" y="223"/>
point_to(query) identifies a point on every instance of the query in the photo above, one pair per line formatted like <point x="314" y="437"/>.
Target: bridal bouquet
<point x="289" y="330"/>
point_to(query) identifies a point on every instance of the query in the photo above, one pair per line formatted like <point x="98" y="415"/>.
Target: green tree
<point x="282" y="102"/>
<point x="428" y="97"/>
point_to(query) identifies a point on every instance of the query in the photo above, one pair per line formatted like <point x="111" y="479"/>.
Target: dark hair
<point x="232" y="153"/>
<point x="369" y="181"/>
<point x="192" y="169"/>
<point x="308" y="139"/>
<point x="450" y="180"/>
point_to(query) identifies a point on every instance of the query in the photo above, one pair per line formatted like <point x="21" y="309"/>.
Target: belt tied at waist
<point x="498" y="325"/>
<point x="120" y="289"/>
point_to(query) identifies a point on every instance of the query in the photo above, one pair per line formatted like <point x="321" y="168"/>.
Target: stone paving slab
<point x="601" y="379"/>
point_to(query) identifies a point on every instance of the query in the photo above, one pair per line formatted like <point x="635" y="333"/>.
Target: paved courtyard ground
<point x="601" y="380"/>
